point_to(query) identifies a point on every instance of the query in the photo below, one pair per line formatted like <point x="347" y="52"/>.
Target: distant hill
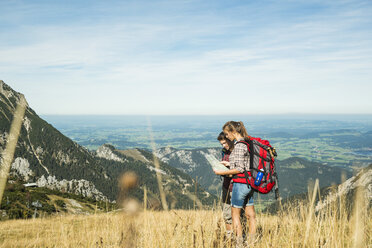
<point x="48" y="158"/>
<point x="347" y="138"/>
<point x="296" y="173"/>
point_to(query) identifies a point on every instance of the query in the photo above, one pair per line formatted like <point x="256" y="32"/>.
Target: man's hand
<point x="225" y="163"/>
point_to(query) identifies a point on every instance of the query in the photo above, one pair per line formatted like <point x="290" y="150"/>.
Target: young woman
<point x="227" y="147"/>
<point x="238" y="163"/>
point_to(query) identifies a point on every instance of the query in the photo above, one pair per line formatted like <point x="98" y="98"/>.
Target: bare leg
<point x="235" y="214"/>
<point x="251" y="217"/>
<point x="228" y="227"/>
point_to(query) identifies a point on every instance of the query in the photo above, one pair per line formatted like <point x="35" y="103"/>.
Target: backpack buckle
<point x="272" y="152"/>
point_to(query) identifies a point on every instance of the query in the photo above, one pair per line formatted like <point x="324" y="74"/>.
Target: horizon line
<point x="255" y="114"/>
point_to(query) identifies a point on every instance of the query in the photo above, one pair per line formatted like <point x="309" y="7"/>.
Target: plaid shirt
<point x="239" y="157"/>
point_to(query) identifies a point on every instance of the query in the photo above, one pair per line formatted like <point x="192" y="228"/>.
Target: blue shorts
<point x="239" y="197"/>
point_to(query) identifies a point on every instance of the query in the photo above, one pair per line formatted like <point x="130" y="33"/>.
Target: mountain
<point x="48" y="158"/>
<point x="194" y="163"/>
<point x="179" y="187"/>
<point x="294" y="173"/>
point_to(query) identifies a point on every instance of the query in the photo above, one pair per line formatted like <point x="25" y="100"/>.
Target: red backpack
<point x="262" y="157"/>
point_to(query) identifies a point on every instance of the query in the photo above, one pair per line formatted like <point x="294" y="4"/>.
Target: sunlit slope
<point x="345" y="221"/>
<point x="292" y="228"/>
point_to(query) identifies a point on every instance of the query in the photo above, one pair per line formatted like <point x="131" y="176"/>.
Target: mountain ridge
<point x="45" y="156"/>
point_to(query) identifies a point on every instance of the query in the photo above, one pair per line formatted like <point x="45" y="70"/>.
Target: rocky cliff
<point x="194" y="163"/>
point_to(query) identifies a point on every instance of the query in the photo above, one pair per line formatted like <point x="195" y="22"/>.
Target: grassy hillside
<point x="293" y="224"/>
<point x="296" y="226"/>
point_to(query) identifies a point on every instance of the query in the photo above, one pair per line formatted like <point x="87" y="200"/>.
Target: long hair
<point x="222" y="136"/>
<point x="236" y="126"/>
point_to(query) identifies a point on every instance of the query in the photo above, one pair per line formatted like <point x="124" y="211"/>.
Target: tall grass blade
<point x="311" y="211"/>
<point x="157" y="166"/>
<point x="8" y="153"/>
<point x="359" y="212"/>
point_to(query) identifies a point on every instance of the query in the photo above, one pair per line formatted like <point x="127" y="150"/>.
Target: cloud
<point x="174" y="58"/>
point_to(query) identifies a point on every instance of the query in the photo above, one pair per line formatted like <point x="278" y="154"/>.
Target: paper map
<point x="215" y="163"/>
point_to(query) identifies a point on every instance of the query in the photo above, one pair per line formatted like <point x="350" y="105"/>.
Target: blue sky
<point x="188" y="57"/>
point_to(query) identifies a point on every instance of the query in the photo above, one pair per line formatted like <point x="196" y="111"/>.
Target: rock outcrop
<point x="21" y="167"/>
<point x="106" y="151"/>
<point x="363" y="180"/>
<point x="80" y="187"/>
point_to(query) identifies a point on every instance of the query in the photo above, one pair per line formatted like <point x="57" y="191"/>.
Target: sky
<point x="188" y="57"/>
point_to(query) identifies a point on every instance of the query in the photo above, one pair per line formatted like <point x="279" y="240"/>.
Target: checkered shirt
<point x="239" y="157"/>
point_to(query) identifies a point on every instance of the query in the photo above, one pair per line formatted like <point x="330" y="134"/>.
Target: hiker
<point x="242" y="196"/>
<point x="228" y="146"/>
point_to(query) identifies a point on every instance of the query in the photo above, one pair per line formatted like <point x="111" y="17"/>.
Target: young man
<point x="227" y="147"/>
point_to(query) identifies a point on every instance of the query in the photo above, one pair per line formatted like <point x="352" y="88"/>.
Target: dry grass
<point x="330" y="228"/>
<point x="295" y="226"/>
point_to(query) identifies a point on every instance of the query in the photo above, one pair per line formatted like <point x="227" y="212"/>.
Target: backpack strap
<point x="250" y="194"/>
<point x="249" y="144"/>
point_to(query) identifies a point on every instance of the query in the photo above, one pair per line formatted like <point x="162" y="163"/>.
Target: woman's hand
<point x="217" y="172"/>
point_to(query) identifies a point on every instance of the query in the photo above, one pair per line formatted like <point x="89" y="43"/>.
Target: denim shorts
<point x="239" y="197"/>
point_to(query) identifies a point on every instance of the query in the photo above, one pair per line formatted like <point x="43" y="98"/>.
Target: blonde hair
<point x="236" y="126"/>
